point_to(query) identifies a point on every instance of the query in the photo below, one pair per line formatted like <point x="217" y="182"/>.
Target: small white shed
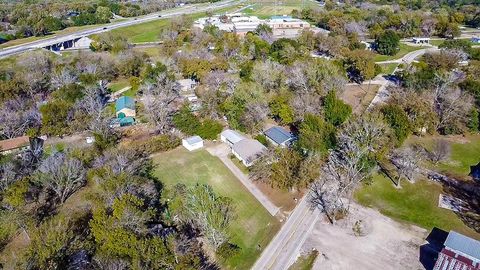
<point x="192" y="143"/>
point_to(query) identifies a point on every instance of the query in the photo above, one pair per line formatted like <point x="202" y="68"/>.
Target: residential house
<point x="14" y="145"/>
<point x="231" y="137"/>
<point x="248" y="151"/>
<point x="192" y="143"/>
<point x="459" y="252"/>
<point x="124" y="111"/>
<point x="279" y="136"/>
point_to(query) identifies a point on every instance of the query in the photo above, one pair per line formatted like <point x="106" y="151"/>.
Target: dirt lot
<point x="386" y="245"/>
<point x="359" y="96"/>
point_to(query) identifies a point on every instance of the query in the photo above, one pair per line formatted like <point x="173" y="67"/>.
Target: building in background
<point x="459" y="252"/>
<point x="282" y="26"/>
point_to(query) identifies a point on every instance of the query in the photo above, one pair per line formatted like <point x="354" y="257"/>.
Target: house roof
<point x="278" y="134"/>
<point x="464" y="244"/>
<point x="448" y="259"/>
<point x="124" y="102"/>
<point x="232" y="136"/>
<point x="249" y="149"/>
<point x="193" y="140"/>
<point x="10" y="144"/>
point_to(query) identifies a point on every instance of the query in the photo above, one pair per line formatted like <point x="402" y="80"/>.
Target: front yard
<point x="413" y="203"/>
<point x="254" y="227"/>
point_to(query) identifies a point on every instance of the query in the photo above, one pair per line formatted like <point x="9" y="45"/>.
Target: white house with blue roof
<point x="279" y="136"/>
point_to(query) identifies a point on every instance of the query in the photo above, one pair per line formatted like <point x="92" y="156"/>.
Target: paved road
<point x="283" y="250"/>
<point x="222" y="151"/>
<point x="410" y="57"/>
<point x="188" y="9"/>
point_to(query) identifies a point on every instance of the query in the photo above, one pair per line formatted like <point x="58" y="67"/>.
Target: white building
<point x="192" y="143"/>
<point x="231" y="137"/>
<point x="421" y="40"/>
<point x="282" y="26"/>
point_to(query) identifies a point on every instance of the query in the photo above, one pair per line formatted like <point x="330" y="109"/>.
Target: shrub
<point x="227" y="250"/>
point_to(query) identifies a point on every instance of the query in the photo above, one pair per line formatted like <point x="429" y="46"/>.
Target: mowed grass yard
<point x="254" y="227"/>
<point x="464" y="152"/>
<point x="413" y="203"/>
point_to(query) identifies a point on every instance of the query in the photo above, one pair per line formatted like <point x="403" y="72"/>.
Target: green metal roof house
<point x="125" y="107"/>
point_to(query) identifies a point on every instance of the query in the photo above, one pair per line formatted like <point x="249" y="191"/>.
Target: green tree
<point x="336" y="111"/>
<point x="388" y="43"/>
<point x="396" y="117"/>
<point x="360" y="65"/>
<point x="315" y="134"/>
<point x="210" y="213"/>
<point x="103" y="14"/>
<point x="281" y="109"/>
<point x="55" y="117"/>
<point x="474" y="122"/>
<point x="186" y="121"/>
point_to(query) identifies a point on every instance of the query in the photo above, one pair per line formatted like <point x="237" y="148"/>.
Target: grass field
<point x="438" y="42"/>
<point x="305" y="262"/>
<point x="118" y="84"/>
<point x="465" y="152"/>
<point x="388" y="68"/>
<point x="404" y="49"/>
<point x="266" y="9"/>
<point x="413" y="203"/>
<point x="254" y="227"/>
<point x="151" y="31"/>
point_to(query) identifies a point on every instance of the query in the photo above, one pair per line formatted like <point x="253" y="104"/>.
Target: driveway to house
<point x="283" y="250"/>
<point x="222" y="151"/>
<point x="410" y="57"/>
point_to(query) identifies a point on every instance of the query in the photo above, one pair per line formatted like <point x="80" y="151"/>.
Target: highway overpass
<point x="59" y="41"/>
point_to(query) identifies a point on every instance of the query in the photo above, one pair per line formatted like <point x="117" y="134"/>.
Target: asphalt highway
<point x="187" y="9"/>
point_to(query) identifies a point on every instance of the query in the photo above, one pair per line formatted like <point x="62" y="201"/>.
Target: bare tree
<point x="255" y="114"/>
<point x="158" y="100"/>
<point x="407" y="163"/>
<point x="268" y="74"/>
<point x="440" y="151"/>
<point x="16" y="117"/>
<point x="346" y="166"/>
<point x="62" y="175"/>
<point x="63" y="77"/>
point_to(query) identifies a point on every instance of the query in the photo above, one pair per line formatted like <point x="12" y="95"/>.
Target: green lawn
<point x="118" y="84"/>
<point x="305" y="262"/>
<point x="151" y="31"/>
<point x="465" y="152"/>
<point x="266" y="9"/>
<point x="253" y="227"/>
<point x="388" y="68"/>
<point x="404" y="49"/>
<point x="413" y="203"/>
<point x="438" y="42"/>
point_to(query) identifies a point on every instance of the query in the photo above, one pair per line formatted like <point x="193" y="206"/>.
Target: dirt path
<point x="387" y="245"/>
